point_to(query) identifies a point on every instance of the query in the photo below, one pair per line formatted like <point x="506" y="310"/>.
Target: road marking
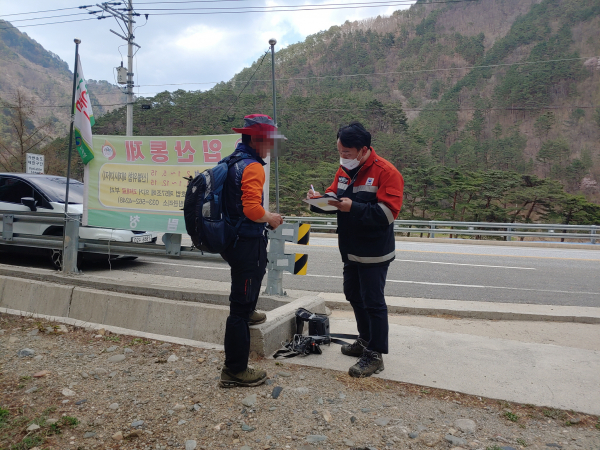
<point x="465" y="285"/>
<point x="477" y="286"/>
<point x="488" y="255"/>
<point x="492" y="255"/>
<point x="463" y="264"/>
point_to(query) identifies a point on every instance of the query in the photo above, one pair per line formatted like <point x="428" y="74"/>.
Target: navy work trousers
<point x="247" y="259"/>
<point x="363" y="288"/>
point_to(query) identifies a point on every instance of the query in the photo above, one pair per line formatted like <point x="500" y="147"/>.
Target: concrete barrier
<point x="265" y="302"/>
<point x="35" y="296"/>
<point x="188" y="320"/>
<point x="192" y="320"/>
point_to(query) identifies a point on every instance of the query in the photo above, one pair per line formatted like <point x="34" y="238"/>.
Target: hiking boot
<point x="248" y="377"/>
<point x="369" y="363"/>
<point x="257" y="318"/>
<point x="355" y="349"/>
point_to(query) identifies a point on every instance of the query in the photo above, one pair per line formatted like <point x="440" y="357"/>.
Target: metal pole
<point x="71" y="228"/>
<point x="272" y="43"/>
<point x="129" y="130"/>
<point x="75" y="69"/>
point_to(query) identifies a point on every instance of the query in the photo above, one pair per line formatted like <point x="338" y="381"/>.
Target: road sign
<point x="35" y="163"/>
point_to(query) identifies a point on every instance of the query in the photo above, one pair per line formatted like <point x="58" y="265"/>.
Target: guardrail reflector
<point x="303" y="233"/>
<point x="301" y="264"/>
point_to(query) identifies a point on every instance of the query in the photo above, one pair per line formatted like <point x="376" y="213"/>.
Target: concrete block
<point x="89" y="305"/>
<point x="280" y="326"/>
<point x="188" y="320"/>
<point x="209" y="323"/>
<point x="35" y="296"/>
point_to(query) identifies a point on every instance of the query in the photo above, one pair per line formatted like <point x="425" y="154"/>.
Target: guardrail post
<point x="172" y="244"/>
<point x="432" y="230"/>
<point x="278" y="259"/>
<point x="7" y="227"/>
<point x="593" y="231"/>
<point x="71" y="243"/>
<point x="508" y="234"/>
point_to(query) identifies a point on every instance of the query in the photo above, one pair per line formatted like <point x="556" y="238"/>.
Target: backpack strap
<point x="343" y="336"/>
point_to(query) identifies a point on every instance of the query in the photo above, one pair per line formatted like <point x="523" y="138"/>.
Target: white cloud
<point x="200" y="39"/>
<point x="184" y="48"/>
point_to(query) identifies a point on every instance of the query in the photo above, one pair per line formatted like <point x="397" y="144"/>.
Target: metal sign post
<point x="279" y="261"/>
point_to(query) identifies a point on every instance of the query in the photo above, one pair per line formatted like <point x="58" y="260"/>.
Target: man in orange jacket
<point x="369" y="190"/>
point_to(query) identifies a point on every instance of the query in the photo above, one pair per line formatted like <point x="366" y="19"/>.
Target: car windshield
<point x="56" y="187"/>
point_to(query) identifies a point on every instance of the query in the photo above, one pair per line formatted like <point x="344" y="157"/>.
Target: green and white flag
<point x="84" y="118"/>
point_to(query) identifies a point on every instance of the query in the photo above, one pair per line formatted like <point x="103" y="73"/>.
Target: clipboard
<point x="321" y="202"/>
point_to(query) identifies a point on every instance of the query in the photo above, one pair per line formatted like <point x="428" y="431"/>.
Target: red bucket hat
<point x="258" y="125"/>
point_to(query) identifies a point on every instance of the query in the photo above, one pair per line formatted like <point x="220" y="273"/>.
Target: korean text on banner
<point x="137" y="182"/>
<point x="84" y="118"/>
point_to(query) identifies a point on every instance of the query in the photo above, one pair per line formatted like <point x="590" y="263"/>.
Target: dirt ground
<point x="71" y="388"/>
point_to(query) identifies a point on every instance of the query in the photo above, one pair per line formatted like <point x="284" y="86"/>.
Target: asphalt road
<point x="485" y="273"/>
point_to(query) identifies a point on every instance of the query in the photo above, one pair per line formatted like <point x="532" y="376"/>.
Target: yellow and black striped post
<point x="303" y="233"/>
<point x="301" y="259"/>
<point x="300" y="264"/>
<point x="279" y="261"/>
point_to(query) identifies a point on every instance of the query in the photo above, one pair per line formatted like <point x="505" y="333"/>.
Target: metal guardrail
<point x="456" y="229"/>
<point x="69" y="244"/>
<point x="172" y="247"/>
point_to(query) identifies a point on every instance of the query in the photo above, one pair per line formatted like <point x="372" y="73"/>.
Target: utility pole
<point x="129" y="131"/>
<point x="272" y="43"/>
<point x="127" y="21"/>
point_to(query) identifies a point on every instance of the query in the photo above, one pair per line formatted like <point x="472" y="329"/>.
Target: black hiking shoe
<point x="245" y="378"/>
<point x="369" y="363"/>
<point x="257" y="318"/>
<point x="355" y="349"/>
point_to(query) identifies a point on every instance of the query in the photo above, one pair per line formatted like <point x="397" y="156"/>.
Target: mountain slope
<point x="490" y="108"/>
<point x="26" y="65"/>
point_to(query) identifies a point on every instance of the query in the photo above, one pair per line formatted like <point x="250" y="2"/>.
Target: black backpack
<point x="204" y="210"/>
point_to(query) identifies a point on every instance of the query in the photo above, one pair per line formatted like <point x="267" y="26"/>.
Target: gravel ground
<point x="71" y="388"/>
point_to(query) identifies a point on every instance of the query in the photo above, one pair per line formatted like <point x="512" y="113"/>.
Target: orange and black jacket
<point x="366" y="233"/>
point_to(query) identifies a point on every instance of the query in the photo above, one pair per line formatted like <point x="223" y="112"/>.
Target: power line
<point x="255" y="9"/>
<point x="377" y="73"/>
<point x="38" y="12"/>
<point x="268" y="10"/>
<point x="50" y="17"/>
<point x="295" y="109"/>
<point x="236" y="99"/>
<point x="212" y="1"/>
<point x="51" y="23"/>
<point x="365" y="4"/>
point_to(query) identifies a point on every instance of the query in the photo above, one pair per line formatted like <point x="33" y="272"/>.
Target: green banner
<point x="137" y="182"/>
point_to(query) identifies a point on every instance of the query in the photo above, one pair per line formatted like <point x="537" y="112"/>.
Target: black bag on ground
<point x="318" y="334"/>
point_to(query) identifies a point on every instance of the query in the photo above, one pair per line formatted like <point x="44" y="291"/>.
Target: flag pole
<point x="72" y="115"/>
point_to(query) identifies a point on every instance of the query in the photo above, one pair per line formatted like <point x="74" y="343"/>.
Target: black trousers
<point x="247" y="258"/>
<point x="363" y="288"/>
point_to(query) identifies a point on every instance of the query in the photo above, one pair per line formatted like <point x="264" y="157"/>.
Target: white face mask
<point x="350" y="164"/>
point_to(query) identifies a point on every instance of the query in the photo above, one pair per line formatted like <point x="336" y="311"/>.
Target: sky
<point x="184" y="51"/>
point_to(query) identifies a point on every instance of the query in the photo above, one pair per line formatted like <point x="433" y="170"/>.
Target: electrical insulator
<point x="121" y="74"/>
